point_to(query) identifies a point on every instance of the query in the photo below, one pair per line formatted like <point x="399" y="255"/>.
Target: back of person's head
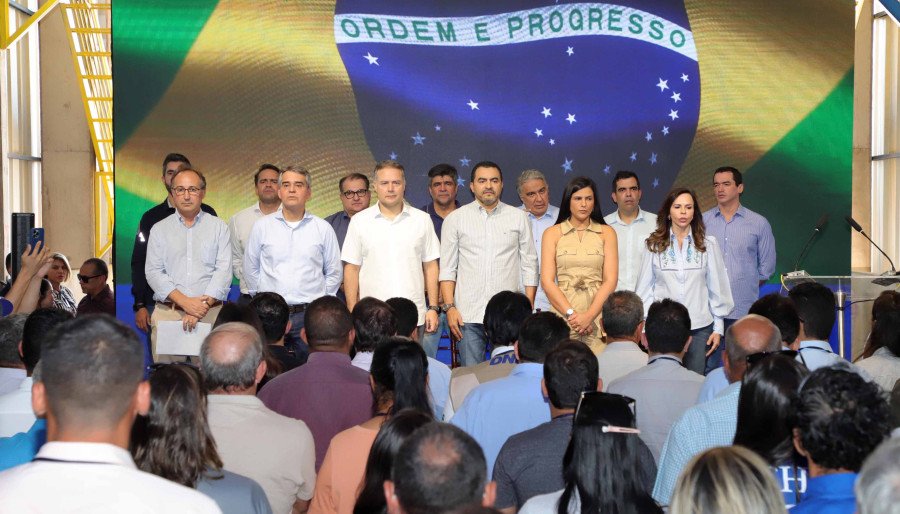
<point x="887" y="300"/>
<point x="540" y="333"/>
<point x="11" y="328"/>
<point x="623" y="312"/>
<point x="387" y="443"/>
<point x="840" y="418"/>
<point x="503" y="317"/>
<point x="174" y="441"/>
<point x="400" y="370"/>
<point x="438" y="468"/>
<point x="230" y="357"/>
<point x="327" y="322"/>
<point x="373" y="321"/>
<point x="608" y="471"/>
<point x="765" y="407"/>
<point x="407" y="315"/>
<point x="878" y="485"/>
<point x="91" y="367"/>
<point x="35" y="333"/>
<point x="668" y="327"/>
<point x="728" y="479"/>
<point x="273" y="313"/>
<point x="569" y="370"/>
<point x="815" y="305"/>
<point x="232" y="312"/>
<point x="779" y="310"/>
<point x="886" y="331"/>
<point x="748" y="335"/>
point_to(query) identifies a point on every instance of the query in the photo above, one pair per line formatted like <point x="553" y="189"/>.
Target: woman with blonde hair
<point x="728" y="479"/>
<point x="60" y="271"/>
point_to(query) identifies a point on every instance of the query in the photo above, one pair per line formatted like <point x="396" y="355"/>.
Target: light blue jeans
<point x="430" y="342"/>
<point x="473" y="344"/>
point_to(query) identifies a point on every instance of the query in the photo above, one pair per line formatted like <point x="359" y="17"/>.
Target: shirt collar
<point x="103" y="453"/>
<point x="200" y="215"/>
<point x="405" y="210"/>
<point x="500" y="349"/>
<point x="665" y="357"/>
<point x="689" y="237"/>
<point x="740" y="210"/>
<point x="623" y="346"/>
<point x="429" y="208"/>
<point x="814" y="343"/>
<point x="617" y="219"/>
<point x="567" y="227"/>
<point x="329" y="358"/>
<point x="834" y="485"/>
<point x="483" y="210"/>
<point x="547" y="214"/>
<point x="235" y="399"/>
<point x="279" y="214"/>
<point x="529" y="369"/>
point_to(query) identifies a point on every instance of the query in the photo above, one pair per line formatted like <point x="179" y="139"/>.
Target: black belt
<point x="297" y="309"/>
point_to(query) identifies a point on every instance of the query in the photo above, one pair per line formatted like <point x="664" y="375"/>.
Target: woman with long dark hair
<point x="682" y="263"/>
<point x="607" y="468"/>
<point x="381" y="458"/>
<point x="764" y="416"/>
<point x="884" y="363"/>
<point x="399" y="377"/>
<point x="174" y="442"/>
<point x="580" y="262"/>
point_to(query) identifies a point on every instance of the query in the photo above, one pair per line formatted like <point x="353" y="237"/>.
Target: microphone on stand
<point x="818" y="228"/>
<point x="856" y="226"/>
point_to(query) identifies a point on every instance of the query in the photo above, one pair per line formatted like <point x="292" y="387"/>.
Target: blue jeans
<point x="292" y="339"/>
<point x="472" y="345"/>
<point x="715" y="360"/>
<point x="430" y="342"/>
<point x="695" y="359"/>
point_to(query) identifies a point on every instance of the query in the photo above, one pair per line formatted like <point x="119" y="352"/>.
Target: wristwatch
<point x="447" y="306"/>
<point x="570" y="312"/>
<point x="434" y="308"/>
<point x="138" y="306"/>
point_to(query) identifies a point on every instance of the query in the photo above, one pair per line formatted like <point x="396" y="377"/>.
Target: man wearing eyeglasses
<point x="355" y="196"/>
<point x="98" y="298"/>
<point x="188" y="259"/>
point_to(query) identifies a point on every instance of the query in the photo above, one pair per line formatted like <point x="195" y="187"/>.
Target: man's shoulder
<point x="330" y="219"/>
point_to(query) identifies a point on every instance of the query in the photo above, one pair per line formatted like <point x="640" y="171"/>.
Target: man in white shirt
<point x="276" y="451"/>
<point x="188" y="259"/>
<point x="265" y="181"/>
<point x="632" y="225"/>
<point x="91" y="392"/>
<point x="535" y="195"/>
<point x="623" y="322"/>
<point x="293" y="253"/>
<point x="387" y="244"/>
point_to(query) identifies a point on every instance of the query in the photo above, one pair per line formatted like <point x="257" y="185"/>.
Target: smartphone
<point x="35" y="237"/>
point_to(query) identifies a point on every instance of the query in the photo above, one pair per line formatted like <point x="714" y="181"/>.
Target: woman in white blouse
<point x="682" y="263"/>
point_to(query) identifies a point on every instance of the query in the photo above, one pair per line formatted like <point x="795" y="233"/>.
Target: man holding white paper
<point x="188" y="259"/>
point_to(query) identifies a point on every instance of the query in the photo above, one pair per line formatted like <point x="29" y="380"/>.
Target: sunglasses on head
<point x="755" y="358"/>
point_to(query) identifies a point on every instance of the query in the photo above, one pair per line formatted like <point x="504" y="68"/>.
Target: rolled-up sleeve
<point x="767" y="255"/>
<point x="720" y="299"/>
<point x="449" y="249"/>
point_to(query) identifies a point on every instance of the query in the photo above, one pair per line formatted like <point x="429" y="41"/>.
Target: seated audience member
<point x="380" y="460"/>
<point x="777" y="309"/>
<point x="45" y="296"/>
<point x="840" y="419"/>
<point x="399" y="376"/>
<point x="498" y="409"/>
<point x="664" y="388"/>
<point x="887" y="300"/>
<point x="729" y="479"/>
<point x="174" y="442"/>
<point x="61" y="271"/>
<point x="623" y="322"/>
<point x="335" y="394"/>
<point x="438" y="373"/>
<point x="884" y="364"/>
<point x="878" y="485"/>
<point x="764" y="418"/>
<point x="98" y="296"/>
<point x="438" y="469"/>
<point x="12" y="369"/>
<point x="16" y="412"/>
<point x="713" y="423"/>
<point x="274" y="450"/>
<point x="235" y="312"/>
<point x="503" y="318"/>
<point x="373" y="321"/>
<point x="607" y="468"/>
<point x="816" y="306"/>
<point x="530" y="462"/>
<point x="91" y="391"/>
<point x="274" y="314"/>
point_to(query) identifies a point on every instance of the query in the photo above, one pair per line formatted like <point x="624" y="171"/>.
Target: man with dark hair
<point x="12" y="369"/>
<point x="503" y="317"/>
<point x="498" y="409"/>
<point x="274" y="314"/>
<point x="140" y="289"/>
<point x="373" y="321"/>
<point x="663" y="388"/>
<point x="815" y="306"/>
<point x="438" y="469"/>
<point x="91" y="392"/>
<point x="840" y="419"/>
<point x="98" y="296"/>
<point x="632" y="224"/>
<point x="355" y="196"/>
<point x="486" y="247"/>
<point x="530" y="462"/>
<point x="336" y="394"/>
<point x="16" y="413"/>
<point x="274" y="450"/>
<point x="623" y="322"/>
<point x="265" y="182"/>
<point x="714" y="423"/>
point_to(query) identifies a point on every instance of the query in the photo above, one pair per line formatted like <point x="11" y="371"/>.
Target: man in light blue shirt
<point x="815" y="305"/>
<point x="535" y="194"/>
<point x="632" y="225"/>
<point x="714" y="423"/>
<point x="498" y="409"/>
<point x="293" y="253"/>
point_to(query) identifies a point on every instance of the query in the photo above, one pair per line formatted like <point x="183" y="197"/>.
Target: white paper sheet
<point x="171" y="339"/>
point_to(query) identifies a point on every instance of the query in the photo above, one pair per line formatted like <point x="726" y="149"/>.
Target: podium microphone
<point x="818" y="228"/>
<point x="852" y="222"/>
